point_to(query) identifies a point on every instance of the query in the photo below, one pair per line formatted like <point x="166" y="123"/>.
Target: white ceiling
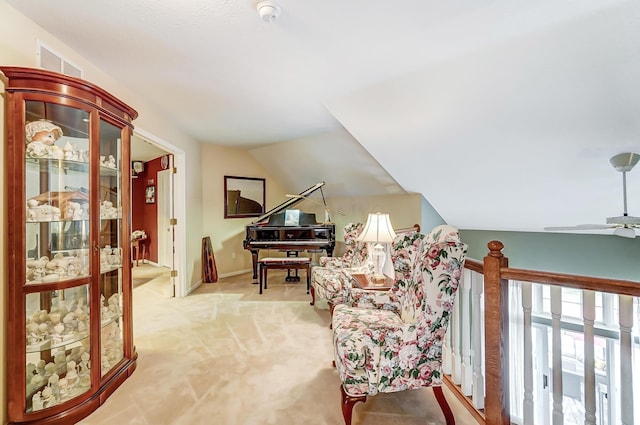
<point x="518" y="102"/>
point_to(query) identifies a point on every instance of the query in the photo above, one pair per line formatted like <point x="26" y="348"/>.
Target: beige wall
<point x="403" y="210"/>
<point x="227" y="234"/>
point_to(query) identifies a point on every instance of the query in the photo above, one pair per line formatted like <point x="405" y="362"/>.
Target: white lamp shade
<point x="378" y="229"/>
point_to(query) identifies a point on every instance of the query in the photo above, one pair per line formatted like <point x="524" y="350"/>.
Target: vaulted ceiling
<point x="503" y="114"/>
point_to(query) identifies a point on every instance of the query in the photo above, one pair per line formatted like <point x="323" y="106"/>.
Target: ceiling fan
<point x="625" y="224"/>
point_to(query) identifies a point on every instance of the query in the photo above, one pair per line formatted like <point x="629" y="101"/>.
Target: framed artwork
<point x="150" y="195"/>
<point x="243" y="196"/>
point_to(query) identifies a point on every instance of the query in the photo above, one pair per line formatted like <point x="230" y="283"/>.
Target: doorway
<point x="165" y="213"/>
<point x="146" y="147"/>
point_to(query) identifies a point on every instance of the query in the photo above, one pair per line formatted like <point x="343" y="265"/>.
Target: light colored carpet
<point x="229" y="356"/>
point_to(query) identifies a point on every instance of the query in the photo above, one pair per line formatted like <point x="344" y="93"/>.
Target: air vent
<point x="52" y="61"/>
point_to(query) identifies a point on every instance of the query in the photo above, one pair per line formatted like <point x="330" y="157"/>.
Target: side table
<point x="136" y="244"/>
<point x="364" y="281"/>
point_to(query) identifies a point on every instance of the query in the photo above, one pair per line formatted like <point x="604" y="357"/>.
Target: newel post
<point x="496" y="323"/>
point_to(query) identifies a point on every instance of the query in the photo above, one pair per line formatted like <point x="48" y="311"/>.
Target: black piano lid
<point x="289" y="202"/>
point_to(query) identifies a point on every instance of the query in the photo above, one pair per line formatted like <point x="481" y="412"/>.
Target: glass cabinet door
<point x="57" y="235"/>
<point x="111" y="246"/>
<point x="56" y="192"/>
<point x="58" y="346"/>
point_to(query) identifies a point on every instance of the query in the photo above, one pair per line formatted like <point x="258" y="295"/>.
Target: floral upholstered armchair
<point x="352" y="248"/>
<point x="398" y="346"/>
<point x="327" y="279"/>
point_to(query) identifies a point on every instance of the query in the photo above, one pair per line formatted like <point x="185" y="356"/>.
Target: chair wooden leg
<point x="331" y="306"/>
<point x="313" y="295"/>
<point x="347" y="404"/>
<point x="442" y="401"/>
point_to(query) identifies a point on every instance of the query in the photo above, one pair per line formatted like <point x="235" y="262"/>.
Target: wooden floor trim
<point x="478" y="415"/>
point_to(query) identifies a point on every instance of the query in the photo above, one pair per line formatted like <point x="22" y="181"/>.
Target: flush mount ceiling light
<point x="268" y="10"/>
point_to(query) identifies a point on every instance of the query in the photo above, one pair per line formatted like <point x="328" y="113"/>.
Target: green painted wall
<point x="588" y="255"/>
<point x="429" y="216"/>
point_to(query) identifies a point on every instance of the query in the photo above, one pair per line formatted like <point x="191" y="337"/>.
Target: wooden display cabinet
<point x="69" y="262"/>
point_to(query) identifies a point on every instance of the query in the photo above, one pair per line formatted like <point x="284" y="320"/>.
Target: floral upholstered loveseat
<point x="395" y="344"/>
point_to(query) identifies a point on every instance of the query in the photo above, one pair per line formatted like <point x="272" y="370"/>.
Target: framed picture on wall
<point x="243" y="196"/>
<point x="150" y="195"/>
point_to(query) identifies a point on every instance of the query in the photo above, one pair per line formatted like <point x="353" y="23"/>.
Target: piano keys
<point x="280" y="228"/>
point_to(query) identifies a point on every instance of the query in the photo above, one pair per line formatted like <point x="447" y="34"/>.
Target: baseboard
<point x="194" y="287"/>
<point x="236" y="273"/>
<point x="477" y="414"/>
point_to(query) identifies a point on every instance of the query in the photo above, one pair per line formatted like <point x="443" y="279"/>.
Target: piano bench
<point x="285" y="263"/>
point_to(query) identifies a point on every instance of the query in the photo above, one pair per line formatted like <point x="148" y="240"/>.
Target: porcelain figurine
<point x="36" y="401"/>
<point x="42" y="131"/>
<point x="72" y="373"/>
<point x="48" y="399"/>
<point x="63" y="385"/>
<point x="54" y="380"/>
<point x="69" y="151"/>
<point x="41" y="138"/>
<point x="49" y="369"/>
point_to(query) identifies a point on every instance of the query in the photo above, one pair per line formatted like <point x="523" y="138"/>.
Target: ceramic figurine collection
<point x="44" y="212"/>
<point x="46" y="270"/>
<point x="67" y="321"/>
<point x="68" y="375"/>
<point x="49" y="384"/>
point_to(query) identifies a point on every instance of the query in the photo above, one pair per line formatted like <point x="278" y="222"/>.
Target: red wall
<point x="145" y="216"/>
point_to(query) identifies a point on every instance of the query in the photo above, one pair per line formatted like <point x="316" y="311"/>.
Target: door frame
<point x="179" y="282"/>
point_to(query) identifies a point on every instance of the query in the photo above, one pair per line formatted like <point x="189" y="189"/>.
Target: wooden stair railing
<point x="497" y="275"/>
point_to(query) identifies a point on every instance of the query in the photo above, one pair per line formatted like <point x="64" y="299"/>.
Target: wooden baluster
<point x="626" y="376"/>
<point x="467" y="372"/>
<point x="589" y="317"/>
<point x="478" y="332"/>
<point x="556" y="315"/>
<point x="496" y="324"/>
<point x="527" y="402"/>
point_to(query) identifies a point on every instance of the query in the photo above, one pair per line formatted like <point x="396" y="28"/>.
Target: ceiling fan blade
<point x="580" y="227"/>
<point x="625" y="232"/>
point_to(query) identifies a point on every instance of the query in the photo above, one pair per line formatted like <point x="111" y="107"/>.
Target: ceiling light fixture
<point x="268" y="10"/>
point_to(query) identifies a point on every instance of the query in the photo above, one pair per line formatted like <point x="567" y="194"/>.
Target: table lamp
<point x="378" y="230"/>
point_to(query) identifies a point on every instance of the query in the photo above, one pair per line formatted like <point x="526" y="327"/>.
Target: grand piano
<point x="286" y="229"/>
